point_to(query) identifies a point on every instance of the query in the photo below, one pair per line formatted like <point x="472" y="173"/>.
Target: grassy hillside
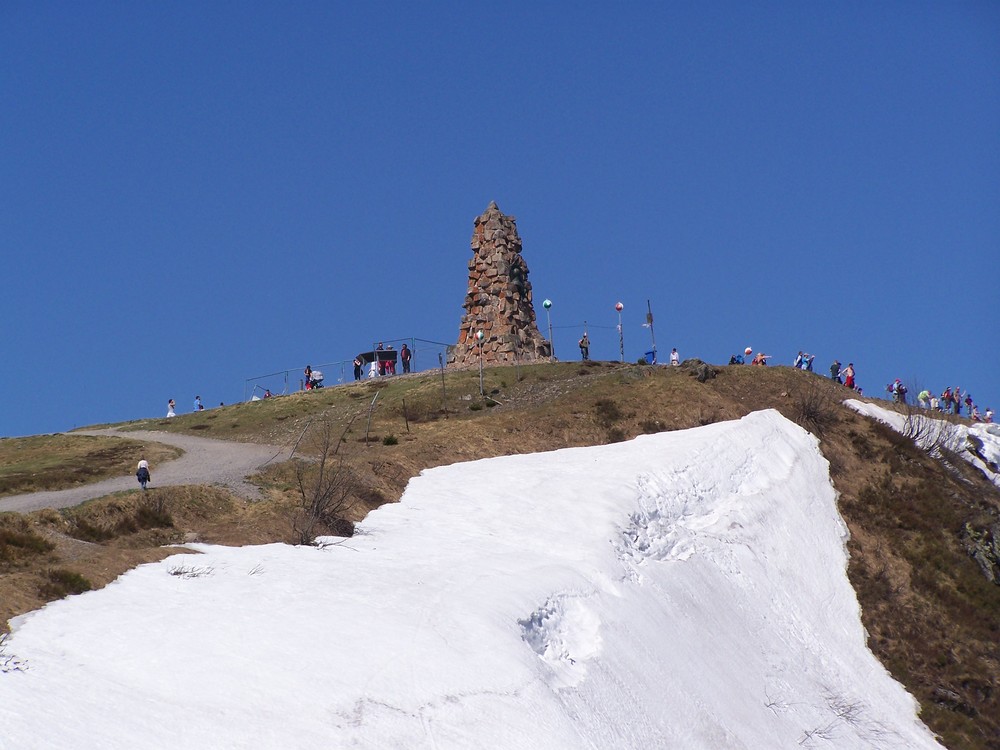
<point x="932" y="615"/>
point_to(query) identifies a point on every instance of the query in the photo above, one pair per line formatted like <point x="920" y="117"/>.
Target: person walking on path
<point x="142" y="472"/>
<point x="584" y="344"/>
<point x="404" y="355"/>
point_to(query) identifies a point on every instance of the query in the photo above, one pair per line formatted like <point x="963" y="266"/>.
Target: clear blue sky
<point x="196" y="193"/>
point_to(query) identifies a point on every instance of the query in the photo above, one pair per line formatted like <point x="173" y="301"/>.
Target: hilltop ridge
<point x="931" y="614"/>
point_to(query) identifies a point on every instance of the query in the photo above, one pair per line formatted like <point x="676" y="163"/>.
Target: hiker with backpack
<point x="142" y="473"/>
<point x="947" y="401"/>
<point x="898" y="392"/>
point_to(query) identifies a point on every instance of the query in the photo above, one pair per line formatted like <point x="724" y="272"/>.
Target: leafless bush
<point x="813" y="407"/>
<point x="325" y="488"/>
<point x="929" y="432"/>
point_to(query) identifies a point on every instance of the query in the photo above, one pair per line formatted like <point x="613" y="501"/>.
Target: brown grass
<point x="932" y="616"/>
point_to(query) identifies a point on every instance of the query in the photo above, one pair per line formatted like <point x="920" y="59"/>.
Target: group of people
<point x="584" y="344"/>
<point x="898" y="391"/>
<point x="803" y="361"/>
<point x="313" y="378"/>
<point x="951" y="402"/>
<point x="383" y="361"/>
<point x="172" y="406"/>
<point x="759" y="359"/>
<point x="844" y="376"/>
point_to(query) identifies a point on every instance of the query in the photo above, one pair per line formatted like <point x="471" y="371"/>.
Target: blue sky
<point x="194" y="194"/>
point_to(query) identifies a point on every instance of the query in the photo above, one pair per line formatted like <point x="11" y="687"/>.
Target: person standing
<point x="584" y="344"/>
<point x="849" y="375"/>
<point x="142" y="472"/>
<point x="308" y="372"/>
<point x="170" y="408"/>
<point x="835" y="371"/>
<point x="404" y="355"/>
<point x="358" y="363"/>
<point x="675" y="358"/>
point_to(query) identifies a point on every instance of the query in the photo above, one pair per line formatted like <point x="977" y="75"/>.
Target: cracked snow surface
<point x="685" y="589"/>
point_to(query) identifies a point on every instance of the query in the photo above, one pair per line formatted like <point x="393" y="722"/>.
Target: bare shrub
<point x="325" y="487"/>
<point x="814" y="408"/>
<point x="928" y="432"/>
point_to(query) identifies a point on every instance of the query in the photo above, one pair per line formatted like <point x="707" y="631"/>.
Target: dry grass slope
<point x="932" y="616"/>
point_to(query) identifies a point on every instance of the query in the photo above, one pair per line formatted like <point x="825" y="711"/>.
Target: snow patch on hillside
<point x="978" y="442"/>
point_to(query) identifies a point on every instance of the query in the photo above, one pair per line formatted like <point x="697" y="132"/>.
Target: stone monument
<point x="498" y="301"/>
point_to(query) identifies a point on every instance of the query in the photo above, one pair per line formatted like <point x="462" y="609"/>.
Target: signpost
<point x="621" y="336"/>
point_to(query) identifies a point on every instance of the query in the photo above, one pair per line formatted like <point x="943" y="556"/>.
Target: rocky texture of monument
<point x="498" y="302"/>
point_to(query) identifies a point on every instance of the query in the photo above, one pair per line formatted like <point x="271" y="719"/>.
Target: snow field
<point x="685" y="589"/>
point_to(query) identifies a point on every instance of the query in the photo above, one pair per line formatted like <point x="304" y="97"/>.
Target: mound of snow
<point x="685" y="589"/>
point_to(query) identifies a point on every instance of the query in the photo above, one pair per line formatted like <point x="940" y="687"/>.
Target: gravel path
<point x="205" y="461"/>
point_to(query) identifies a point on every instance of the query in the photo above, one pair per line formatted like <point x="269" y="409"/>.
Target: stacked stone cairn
<point x="498" y="301"/>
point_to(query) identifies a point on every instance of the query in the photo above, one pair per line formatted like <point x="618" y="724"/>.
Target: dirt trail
<point x="205" y="461"/>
